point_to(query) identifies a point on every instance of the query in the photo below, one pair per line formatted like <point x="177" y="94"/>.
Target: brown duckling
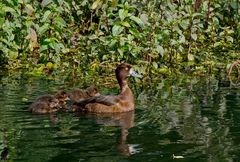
<point x="78" y="95"/>
<point x="122" y="102"/>
<point x="61" y="96"/>
<point x="45" y="106"/>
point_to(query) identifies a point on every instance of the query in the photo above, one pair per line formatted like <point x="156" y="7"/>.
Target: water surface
<point x="194" y="119"/>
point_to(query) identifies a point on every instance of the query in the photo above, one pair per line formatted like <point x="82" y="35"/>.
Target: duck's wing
<point x="105" y="100"/>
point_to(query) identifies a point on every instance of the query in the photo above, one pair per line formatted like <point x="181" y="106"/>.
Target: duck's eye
<point x="126" y="69"/>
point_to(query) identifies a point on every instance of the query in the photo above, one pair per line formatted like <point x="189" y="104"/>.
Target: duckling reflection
<point x="125" y="121"/>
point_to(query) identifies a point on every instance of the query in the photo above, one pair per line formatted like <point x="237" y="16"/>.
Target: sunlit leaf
<point x="160" y="50"/>
<point x="43" y="48"/>
<point x="60" y="21"/>
<point x="120" y="52"/>
<point x="228" y="66"/>
<point x="155" y="65"/>
<point x="29" y="9"/>
<point x="116" y="30"/>
<point x="13" y="54"/>
<point x="194" y="36"/>
<point x="229" y="39"/>
<point x="134" y="32"/>
<point x="216" y="44"/>
<point x="182" y="39"/>
<point x="96" y="4"/>
<point x="184" y="24"/>
<point x="215" y="20"/>
<point x="49" y="65"/>
<point x="126" y="24"/>
<point x="122" y="14"/>
<point x="8" y="9"/>
<point x="190" y="57"/>
<point x="45" y="16"/>
<point x="60" y="2"/>
<point x="144" y="18"/>
<point x="43" y="28"/>
<point x="46" y="2"/>
<point x="137" y="20"/>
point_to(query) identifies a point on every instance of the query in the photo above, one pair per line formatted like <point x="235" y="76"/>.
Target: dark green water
<point x="193" y="118"/>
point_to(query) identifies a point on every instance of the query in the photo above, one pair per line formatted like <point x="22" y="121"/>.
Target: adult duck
<point x="123" y="102"/>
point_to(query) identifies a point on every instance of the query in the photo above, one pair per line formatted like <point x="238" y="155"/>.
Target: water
<point x="185" y="119"/>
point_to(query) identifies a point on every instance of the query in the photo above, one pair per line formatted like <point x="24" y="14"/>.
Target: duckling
<point x="61" y="96"/>
<point x="122" y="102"/>
<point x="45" y="106"/>
<point x="77" y="95"/>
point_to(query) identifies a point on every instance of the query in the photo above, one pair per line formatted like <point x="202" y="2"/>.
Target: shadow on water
<point x="194" y="119"/>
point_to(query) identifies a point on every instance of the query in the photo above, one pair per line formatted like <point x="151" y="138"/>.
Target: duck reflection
<point x="125" y="121"/>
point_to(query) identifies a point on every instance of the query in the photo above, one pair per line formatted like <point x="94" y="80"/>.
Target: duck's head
<point x="92" y="91"/>
<point x="53" y="102"/>
<point x="62" y="96"/>
<point x="124" y="70"/>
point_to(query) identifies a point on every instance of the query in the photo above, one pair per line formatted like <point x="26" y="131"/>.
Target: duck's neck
<point x="124" y="89"/>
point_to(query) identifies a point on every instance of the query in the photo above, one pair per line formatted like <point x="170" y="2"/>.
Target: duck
<point x="46" y="105"/>
<point x="123" y="102"/>
<point x="77" y="95"/>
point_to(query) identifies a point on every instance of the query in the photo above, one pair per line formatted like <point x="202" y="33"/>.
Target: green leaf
<point x="60" y="21"/>
<point x="43" y="48"/>
<point x="144" y="18"/>
<point x="134" y="32"/>
<point x="13" y="54"/>
<point x="43" y="28"/>
<point x="120" y="52"/>
<point x="194" y="36"/>
<point x="29" y="7"/>
<point x="216" y="44"/>
<point x="190" y="57"/>
<point x="215" y="20"/>
<point x="45" y="16"/>
<point x="8" y="9"/>
<point x="56" y="47"/>
<point x="116" y="30"/>
<point x="50" y="65"/>
<point x="46" y="2"/>
<point x="182" y="39"/>
<point x="137" y="20"/>
<point x="1" y="21"/>
<point x="230" y="39"/>
<point x="96" y="4"/>
<point x="184" y="24"/>
<point x="122" y="14"/>
<point x="126" y="24"/>
<point x="160" y="50"/>
<point x="155" y="65"/>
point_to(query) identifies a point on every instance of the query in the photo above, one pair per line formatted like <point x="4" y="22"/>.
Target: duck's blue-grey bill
<point x="134" y="74"/>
